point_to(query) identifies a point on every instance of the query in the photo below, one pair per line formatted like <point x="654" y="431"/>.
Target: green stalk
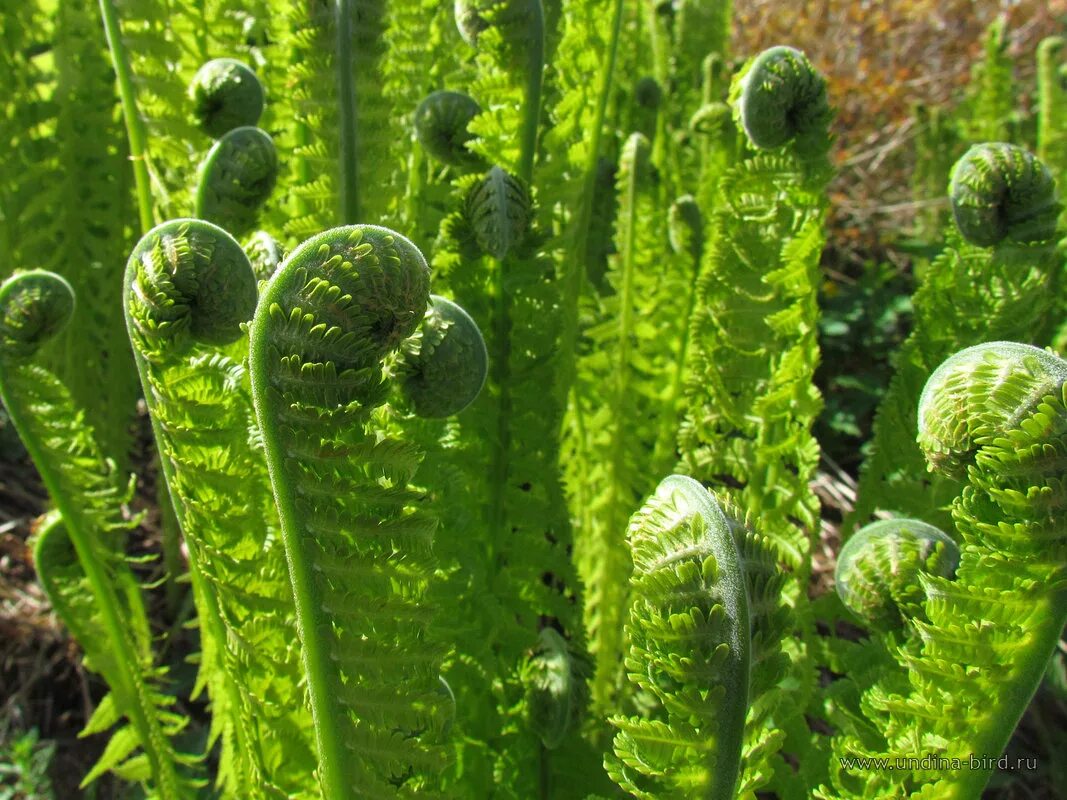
<point x="346" y="96"/>
<point x="131" y="114"/>
<point x="535" y="67"/>
<point x="1015" y="694"/>
<point x="574" y="260"/>
<point x="325" y="708"/>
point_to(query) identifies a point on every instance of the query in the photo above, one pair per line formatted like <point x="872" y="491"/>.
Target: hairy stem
<point x="346" y="94"/>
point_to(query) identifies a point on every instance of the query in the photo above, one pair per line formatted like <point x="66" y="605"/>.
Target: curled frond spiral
<point x="648" y="93"/>
<point x="35" y="305"/>
<point x="979" y="394"/>
<point x="226" y="94"/>
<point x="441" y="122"/>
<point x="782" y="96"/>
<point x="878" y="569"/>
<point x="265" y="254"/>
<point x="1001" y="191"/>
<point x="236" y="178"/>
<point x="499" y="211"/>
<point x="511" y="17"/>
<point x="554" y="688"/>
<point x="361" y="289"/>
<point x="188" y="276"/>
<point x="685" y="226"/>
<point x="445" y="368"/>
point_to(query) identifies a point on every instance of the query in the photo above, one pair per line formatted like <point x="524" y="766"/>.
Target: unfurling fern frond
<point x="996" y="279"/>
<point x="89" y="494"/>
<point x="878" y="569"/>
<point x="441" y="122"/>
<point x="189" y="287"/>
<point x="690" y="647"/>
<point x="236" y="178"/>
<point x="357" y="535"/>
<point x="226" y="94"/>
<point x="443" y="368"/>
<point x="977" y="645"/>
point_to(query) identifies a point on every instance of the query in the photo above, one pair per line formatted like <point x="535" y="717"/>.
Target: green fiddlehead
<point x="226" y="94"/>
<point x="1001" y="191"/>
<point x="264" y="253"/>
<point x="782" y="98"/>
<point x="689" y="596"/>
<point x="441" y="121"/>
<point x="499" y="212"/>
<point x="444" y="367"/>
<point x="89" y="493"/>
<point x="236" y="178"/>
<point x="356" y="539"/>
<point x="877" y="574"/>
<point x="995" y="413"/>
<point x="189" y="288"/>
<point x="555" y="688"/>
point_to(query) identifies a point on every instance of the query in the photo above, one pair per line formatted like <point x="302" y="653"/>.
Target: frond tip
<point x="690" y="648"/>
<point x="441" y="122"/>
<point x="1001" y="191"/>
<point x="35" y="306"/>
<point x="188" y="276"/>
<point x="878" y="569"/>
<point x="236" y="178"/>
<point x="980" y="393"/>
<point x="226" y="94"/>
<point x="444" y="369"/>
<point x="782" y="97"/>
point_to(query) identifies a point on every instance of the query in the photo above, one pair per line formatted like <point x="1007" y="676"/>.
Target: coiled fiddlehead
<point x="1000" y="191"/>
<point x="236" y="179"/>
<point x="189" y="289"/>
<point x="689" y="595"/>
<point x="555" y="688"/>
<point x="226" y="94"/>
<point x="499" y="212"/>
<point x="264" y="253"/>
<point x="441" y="122"/>
<point x="878" y="569"/>
<point x="357" y="538"/>
<point x="188" y="280"/>
<point x="445" y="367"/>
<point x="782" y="97"/>
<point x="977" y="395"/>
<point x="33" y="310"/>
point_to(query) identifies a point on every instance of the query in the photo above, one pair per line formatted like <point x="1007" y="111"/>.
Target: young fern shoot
<point x="89" y="493"/>
<point x="356" y="535"/>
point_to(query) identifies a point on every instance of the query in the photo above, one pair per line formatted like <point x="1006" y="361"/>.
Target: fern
<point x="89" y="493"/>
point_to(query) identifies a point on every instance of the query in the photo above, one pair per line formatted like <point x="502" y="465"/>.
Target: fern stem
<point x="131" y="114"/>
<point x="1014" y="694"/>
<point x="346" y="95"/>
<point x="534" y="82"/>
<point x="574" y="261"/>
<point x="501" y="371"/>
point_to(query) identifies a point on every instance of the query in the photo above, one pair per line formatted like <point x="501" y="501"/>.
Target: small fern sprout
<point x="511" y="17"/>
<point x="35" y="305"/>
<point x="188" y="277"/>
<point x="782" y="96"/>
<point x="555" y="688"/>
<point x="372" y="293"/>
<point x="648" y="94"/>
<point x="979" y="394"/>
<point x="499" y="211"/>
<point x="265" y="254"/>
<point x="444" y="369"/>
<point x="236" y="178"/>
<point x="441" y="121"/>
<point x="1001" y="191"/>
<point x="226" y="94"/>
<point x="685" y="227"/>
<point x="878" y="570"/>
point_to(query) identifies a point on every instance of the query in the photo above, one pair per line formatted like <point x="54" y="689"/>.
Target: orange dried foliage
<point x="881" y="58"/>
